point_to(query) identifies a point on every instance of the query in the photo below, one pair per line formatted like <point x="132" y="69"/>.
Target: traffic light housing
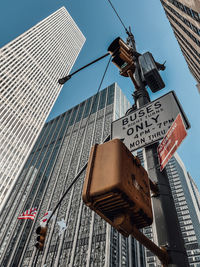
<point x="41" y="232"/>
<point x="150" y="73"/>
<point x="122" y="56"/>
<point x="117" y="187"/>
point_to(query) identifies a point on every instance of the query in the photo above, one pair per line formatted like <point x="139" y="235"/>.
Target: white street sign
<point x="148" y="124"/>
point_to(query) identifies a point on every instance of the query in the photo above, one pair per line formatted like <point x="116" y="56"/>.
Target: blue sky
<point x="100" y="26"/>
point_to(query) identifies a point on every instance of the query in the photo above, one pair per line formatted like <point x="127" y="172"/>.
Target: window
<point x="80" y="112"/>
<point x="95" y="103"/>
<point x="192" y="238"/>
<point x="102" y="99"/>
<point x="73" y="115"/>
<point x="87" y="108"/>
<point x="110" y="99"/>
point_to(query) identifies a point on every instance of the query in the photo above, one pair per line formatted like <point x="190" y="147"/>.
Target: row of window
<point x="181" y="203"/>
<point x="190" y="59"/>
<point x="195" y="259"/>
<point x="194" y="252"/>
<point x="192" y="246"/>
<point x="70" y="116"/>
<point x="187" y="22"/>
<point x="194" y="68"/>
<point x="183" y="28"/>
<point x="191" y="64"/>
<point x="195" y="75"/>
<point x="193" y="14"/>
<point x="186" y="41"/>
<point x="42" y="27"/>
<point x="92" y="104"/>
<point x="190" y="239"/>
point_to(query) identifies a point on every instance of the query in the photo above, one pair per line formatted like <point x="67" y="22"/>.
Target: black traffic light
<point x="122" y="56"/>
<point x="150" y="72"/>
<point x="41" y="232"/>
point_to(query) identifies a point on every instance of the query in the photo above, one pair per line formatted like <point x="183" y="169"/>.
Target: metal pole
<point x="165" y="215"/>
<point x="66" y="78"/>
<point x="161" y="253"/>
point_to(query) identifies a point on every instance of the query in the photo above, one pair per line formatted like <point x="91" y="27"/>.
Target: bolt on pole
<point x="165" y="216"/>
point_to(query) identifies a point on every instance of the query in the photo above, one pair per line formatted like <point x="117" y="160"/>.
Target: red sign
<point x="171" y="141"/>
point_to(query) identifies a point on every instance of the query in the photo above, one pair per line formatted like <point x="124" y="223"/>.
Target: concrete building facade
<point x="184" y="17"/>
<point x="186" y="197"/>
<point x="60" y="152"/>
<point x="30" y="67"/>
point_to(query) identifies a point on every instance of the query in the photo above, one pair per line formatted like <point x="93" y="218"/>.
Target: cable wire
<point x="58" y="204"/>
<point x="118" y="17"/>
<point x="84" y="167"/>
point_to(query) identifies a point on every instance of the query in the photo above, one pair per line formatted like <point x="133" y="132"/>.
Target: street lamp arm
<point x="66" y="78"/>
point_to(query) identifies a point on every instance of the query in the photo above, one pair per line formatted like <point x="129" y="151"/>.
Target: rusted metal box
<point x="117" y="186"/>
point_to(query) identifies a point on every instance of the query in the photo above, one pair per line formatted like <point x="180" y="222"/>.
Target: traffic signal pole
<point x="168" y="233"/>
<point x="165" y="216"/>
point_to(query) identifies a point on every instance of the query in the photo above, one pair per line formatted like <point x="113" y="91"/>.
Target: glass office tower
<point x="186" y="197"/>
<point x="60" y="152"/>
<point x="30" y="67"/>
<point x="187" y="209"/>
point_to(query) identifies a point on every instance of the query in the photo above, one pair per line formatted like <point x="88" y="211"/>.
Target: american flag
<point x="29" y="214"/>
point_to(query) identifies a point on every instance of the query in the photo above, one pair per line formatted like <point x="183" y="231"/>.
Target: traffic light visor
<point x="41" y="230"/>
<point x="114" y="45"/>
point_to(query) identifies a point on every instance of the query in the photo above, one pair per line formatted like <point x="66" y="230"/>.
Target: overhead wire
<point x="118" y="17"/>
<point x="90" y="112"/>
<point x="81" y="137"/>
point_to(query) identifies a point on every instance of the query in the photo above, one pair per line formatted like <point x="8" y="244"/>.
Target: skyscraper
<point x="30" y="67"/>
<point x="186" y="197"/>
<point x="187" y="209"/>
<point x="184" y="17"/>
<point x="60" y="152"/>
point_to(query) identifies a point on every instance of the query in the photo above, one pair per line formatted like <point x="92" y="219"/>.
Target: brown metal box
<point x="116" y="186"/>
